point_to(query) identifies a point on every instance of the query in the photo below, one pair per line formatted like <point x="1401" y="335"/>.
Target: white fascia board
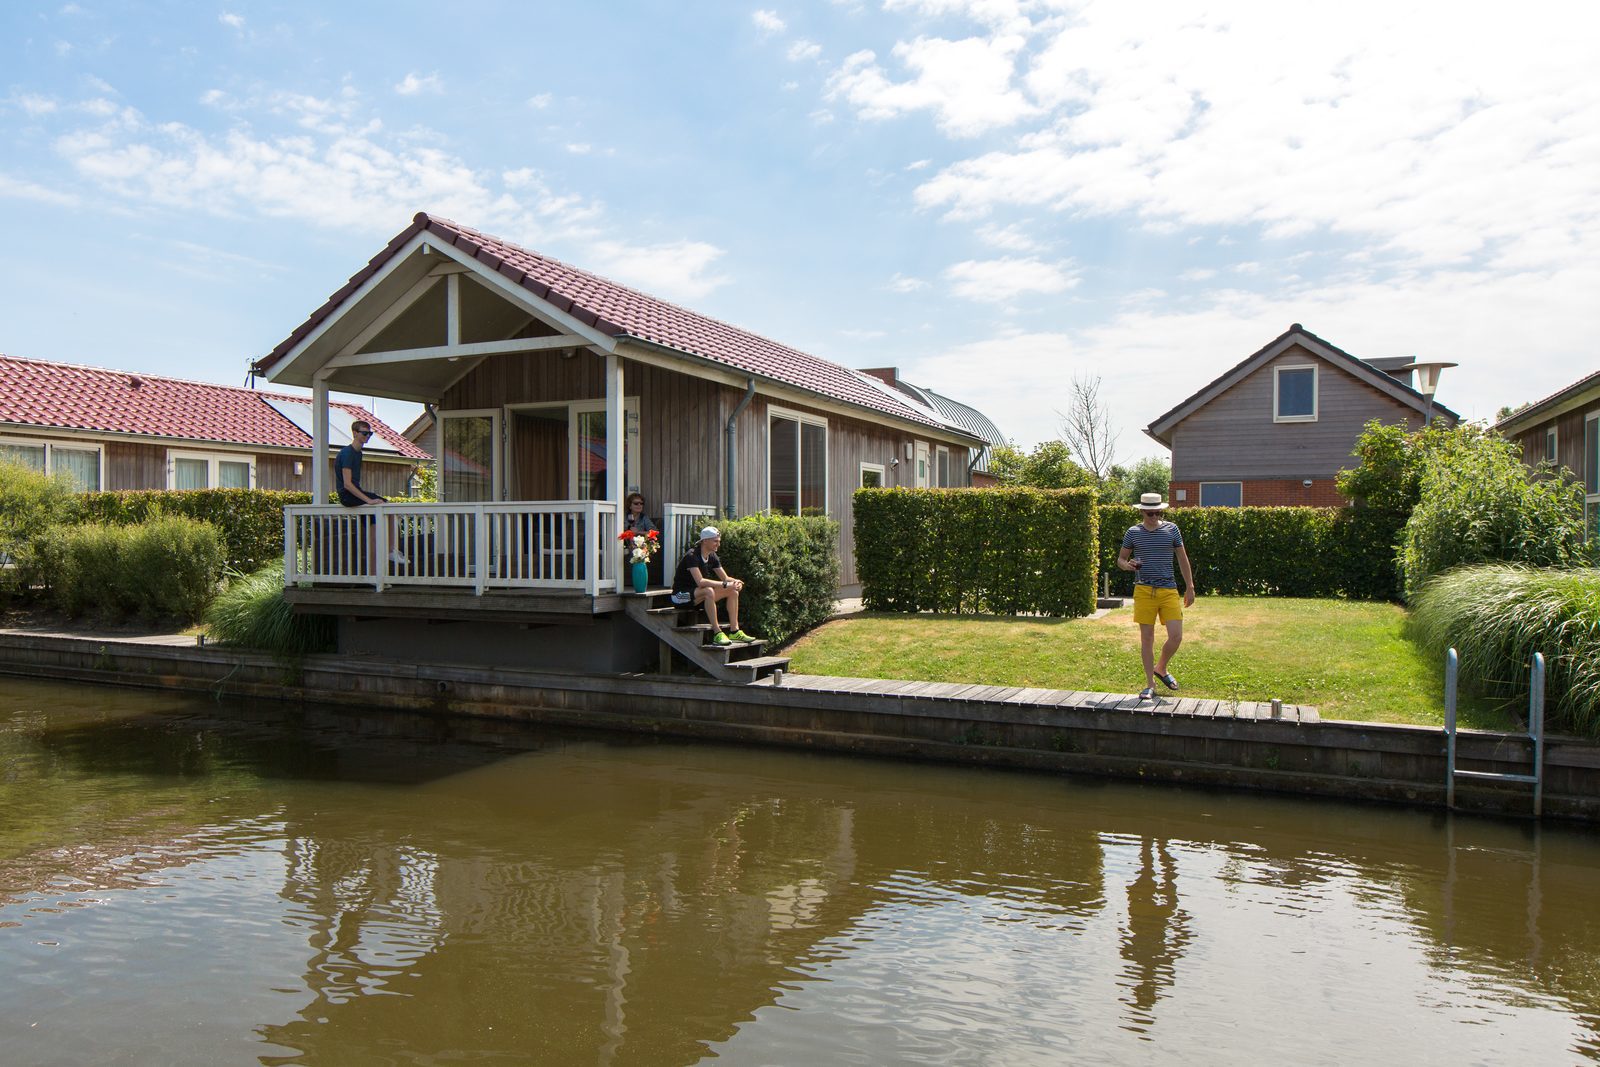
<point x="510" y="346"/>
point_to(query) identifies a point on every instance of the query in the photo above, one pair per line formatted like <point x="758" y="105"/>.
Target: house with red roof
<point x="554" y="392"/>
<point x="112" y="429"/>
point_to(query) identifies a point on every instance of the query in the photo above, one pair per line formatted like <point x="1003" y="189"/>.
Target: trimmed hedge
<point x="977" y="551"/>
<point x="250" y="520"/>
<point x="790" y="568"/>
<point x="167" y="568"/>
<point x="1303" y="552"/>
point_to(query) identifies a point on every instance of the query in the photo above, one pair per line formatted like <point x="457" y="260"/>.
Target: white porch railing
<point x="530" y="544"/>
<point x="682" y="523"/>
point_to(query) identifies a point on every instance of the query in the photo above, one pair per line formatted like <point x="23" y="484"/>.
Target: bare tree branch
<point x="1086" y="428"/>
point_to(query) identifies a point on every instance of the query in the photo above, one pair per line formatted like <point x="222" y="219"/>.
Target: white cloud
<point x="1001" y="280"/>
<point x="790" y="86"/>
<point x="540" y="102"/>
<point x="20" y="189"/>
<point x="803" y="50"/>
<point x="35" y="104"/>
<point x="920" y="164"/>
<point x="228" y="18"/>
<point x="863" y="335"/>
<point x="966" y="84"/>
<point x="677" y="270"/>
<point x="821" y="117"/>
<point x="1197" y="274"/>
<point x="1011" y="238"/>
<point x="580" y="148"/>
<point x="902" y="284"/>
<point x="414" y="83"/>
<point x="767" y="22"/>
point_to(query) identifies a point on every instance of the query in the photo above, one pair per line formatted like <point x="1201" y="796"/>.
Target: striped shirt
<point x="1154" y="549"/>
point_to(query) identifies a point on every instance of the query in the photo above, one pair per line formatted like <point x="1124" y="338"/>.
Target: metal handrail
<point x="1535" y="734"/>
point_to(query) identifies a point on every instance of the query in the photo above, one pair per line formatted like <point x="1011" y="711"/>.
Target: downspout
<point x="733" y="452"/>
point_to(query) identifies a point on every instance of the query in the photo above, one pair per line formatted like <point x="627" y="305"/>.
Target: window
<point x="872" y="475"/>
<point x="797" y="463"/>
<point x="210" y="470"/>
<point x="1294" y="394"/>
<point x="80" y="463"/>
<point x="1591" y="472"/>
<point x="469" y="462"/>
<point x="941" y="467"/>
<point x="588" y="463"/>
<point x="1221" y="494"/>
<point x="921" y="473"/>
<point x="1550" y="444"/>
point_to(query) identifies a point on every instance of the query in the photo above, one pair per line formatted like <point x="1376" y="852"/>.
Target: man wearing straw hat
<point x="1148" y="550"/>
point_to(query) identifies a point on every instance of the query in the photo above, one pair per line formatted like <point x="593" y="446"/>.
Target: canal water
<point x="185" y="881"/>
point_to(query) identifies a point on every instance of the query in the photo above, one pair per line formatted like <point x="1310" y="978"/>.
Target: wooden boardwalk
<point x="1053" y="699"/>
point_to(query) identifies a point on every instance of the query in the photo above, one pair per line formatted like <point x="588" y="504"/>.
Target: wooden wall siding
<point x="275" y="471"/>
<point x="134" y="465"/>
<point x="1234" y="436"/>
<point x="1569" y="439"/>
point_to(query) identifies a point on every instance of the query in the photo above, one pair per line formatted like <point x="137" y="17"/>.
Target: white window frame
<point x="1552" y="444"/>
<point x="630" y="443"/>
<point x="879" y="469"/>
<point x="49" y="445"/>
<point x="799" y="456"/>
<point x="1316" y="392"/>
<point x="942" y="452"/>
<point x="497" y="463"/>
<point x="211" y="460"/>
<point x="1201" y="495"/>
<point x="922" y="471"/>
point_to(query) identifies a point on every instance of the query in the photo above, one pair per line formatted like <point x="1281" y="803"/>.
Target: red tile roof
<point x="68" y="396"/>
<point x="621" y="312"/>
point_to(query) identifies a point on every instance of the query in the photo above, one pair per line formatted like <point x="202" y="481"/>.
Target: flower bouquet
<point x="641" y="547"/>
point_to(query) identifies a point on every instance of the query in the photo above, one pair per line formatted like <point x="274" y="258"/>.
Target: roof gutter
<point x="733" y="449"/>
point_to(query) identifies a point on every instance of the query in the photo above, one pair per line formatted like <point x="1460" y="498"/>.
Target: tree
<point x="1149" y="475"/>
<point x="1087" y="428"/>
<point x="1048" y="466"/>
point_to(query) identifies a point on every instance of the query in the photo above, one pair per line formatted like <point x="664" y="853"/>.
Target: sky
<point x="998" y="197"/>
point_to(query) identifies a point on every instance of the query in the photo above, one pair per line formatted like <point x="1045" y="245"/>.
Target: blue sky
<point x="996" y="196"/>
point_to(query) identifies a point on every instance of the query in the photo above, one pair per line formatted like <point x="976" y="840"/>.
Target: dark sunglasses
<point x="363" y="433"/>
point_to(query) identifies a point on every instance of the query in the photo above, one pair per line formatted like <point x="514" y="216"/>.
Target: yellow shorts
<point x="1150" y="603"/>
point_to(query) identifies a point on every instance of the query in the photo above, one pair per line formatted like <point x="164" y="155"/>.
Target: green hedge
<point x="1307" y="552"/>
<point x="250" y="520"/>
<point x="167" y="568"/>
<point x="977" y="551"/>
<point x="790" y="568"/>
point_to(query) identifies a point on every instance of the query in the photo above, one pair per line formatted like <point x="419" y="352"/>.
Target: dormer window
<point x="1294" y="393"/>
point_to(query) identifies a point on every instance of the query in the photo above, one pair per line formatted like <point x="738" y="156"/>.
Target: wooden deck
<point x="925" y="694"/>
<point x="457" y="604"/>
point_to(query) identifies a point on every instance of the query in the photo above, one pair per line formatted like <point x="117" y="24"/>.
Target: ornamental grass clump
<point x="251" y="613"/>
<point x="1497" y="616"/>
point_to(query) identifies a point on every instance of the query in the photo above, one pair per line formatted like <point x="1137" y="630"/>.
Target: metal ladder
<point x="1535" y="733"/>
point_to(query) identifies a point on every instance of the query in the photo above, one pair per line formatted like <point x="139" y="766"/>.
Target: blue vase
<point x="641" y="577"/>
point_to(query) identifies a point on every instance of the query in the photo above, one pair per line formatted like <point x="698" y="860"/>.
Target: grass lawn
<point x="1350" y="659"/>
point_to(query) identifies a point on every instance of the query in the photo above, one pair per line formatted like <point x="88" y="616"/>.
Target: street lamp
<point x="1428" y="383"/>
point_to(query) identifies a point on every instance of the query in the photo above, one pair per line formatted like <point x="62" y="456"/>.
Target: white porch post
<point x="616" y="461"/>
<point x="319" y="439"/>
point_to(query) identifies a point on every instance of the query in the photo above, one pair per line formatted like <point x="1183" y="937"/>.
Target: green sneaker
<point x="721" y="639"/>
<point x="740" y="635"/>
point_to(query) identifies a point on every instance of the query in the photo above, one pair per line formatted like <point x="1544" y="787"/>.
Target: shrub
<point x="971" y="551"/>
<point x="790" y="568"/>
<point x="252" y="613"/>
<point x="250" y="520"/>
<point x="30" y="503"/>
<point x="1478" y="503"/>
<point x="167" y="568"/>
<point x="1305" y="552"/>
<point x="1498" y="615"/>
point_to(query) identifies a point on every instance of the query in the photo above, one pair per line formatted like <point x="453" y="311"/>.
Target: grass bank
<point x="1350" y="659"/>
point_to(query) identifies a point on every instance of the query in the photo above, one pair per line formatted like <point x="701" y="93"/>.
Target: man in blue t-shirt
<point x="347" y="476"/>
<point x="1148" y="550"/>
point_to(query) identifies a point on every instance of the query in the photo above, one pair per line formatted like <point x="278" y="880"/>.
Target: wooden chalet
<point x="556" y="392"/>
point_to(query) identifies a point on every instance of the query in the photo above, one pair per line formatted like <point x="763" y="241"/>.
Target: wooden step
<point x="761" y="666"/>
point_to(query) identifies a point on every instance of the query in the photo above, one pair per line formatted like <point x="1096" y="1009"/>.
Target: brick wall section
<point x="1265" y="493"/>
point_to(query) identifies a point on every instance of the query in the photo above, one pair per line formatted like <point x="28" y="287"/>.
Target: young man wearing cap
<point x="1148" y="550"/>
<point x="701" y="579"/>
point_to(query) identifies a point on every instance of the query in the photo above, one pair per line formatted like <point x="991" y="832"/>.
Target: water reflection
<point x="185" y="882"/>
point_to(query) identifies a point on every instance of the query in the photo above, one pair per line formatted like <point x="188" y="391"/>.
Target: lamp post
<point x="1428" y="384"/>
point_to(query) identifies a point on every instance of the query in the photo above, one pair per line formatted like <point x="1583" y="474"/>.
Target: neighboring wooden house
<point x="1564" y="429"/>
<point x="109" y="429"/>
<point x="942" y="469"/>
<point x="1277" y="427"/>
<point x="541" y="376"/>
